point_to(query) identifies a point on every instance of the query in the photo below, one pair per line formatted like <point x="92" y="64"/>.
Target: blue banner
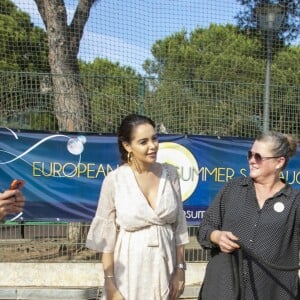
<point x="64" y="172"/>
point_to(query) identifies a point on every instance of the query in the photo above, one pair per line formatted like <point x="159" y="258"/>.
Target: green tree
<point x="285" y="89"/>
<point x="71" y="105"/>
<point x="110" y="87"/>
<point x="23" y="46"/>
<point x="217" y="53"/>
<point x="23" y="49"/>
<point x="218" y="75"/>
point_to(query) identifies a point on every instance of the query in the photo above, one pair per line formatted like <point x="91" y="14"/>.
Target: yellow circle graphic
<point x="185" y="162"/>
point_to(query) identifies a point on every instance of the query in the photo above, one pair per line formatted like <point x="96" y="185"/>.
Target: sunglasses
<point x="258" y="158"/>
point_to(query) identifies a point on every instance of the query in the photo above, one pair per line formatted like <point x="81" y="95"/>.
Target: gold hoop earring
<point x="129" y="157"/>
<point x="136" y="165"/>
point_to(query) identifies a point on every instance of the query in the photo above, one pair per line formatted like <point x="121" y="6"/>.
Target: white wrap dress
<point x="142" y="239"/>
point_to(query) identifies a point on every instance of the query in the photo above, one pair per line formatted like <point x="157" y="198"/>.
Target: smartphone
<point x="17" y="184"/>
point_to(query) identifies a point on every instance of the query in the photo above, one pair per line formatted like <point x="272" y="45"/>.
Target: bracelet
<point x="109" y="276"/>
<point x="181" y="266"/>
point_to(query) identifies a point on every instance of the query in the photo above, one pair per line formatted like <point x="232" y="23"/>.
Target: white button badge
<point x="279" y="207"/>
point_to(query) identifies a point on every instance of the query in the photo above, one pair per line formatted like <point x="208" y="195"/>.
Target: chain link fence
<point x="177" y="106"/>
<point x="194" y="67"/>
<point x="62" y="242"/>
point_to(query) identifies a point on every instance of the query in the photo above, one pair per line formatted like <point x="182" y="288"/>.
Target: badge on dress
<point x="279" y="207"/>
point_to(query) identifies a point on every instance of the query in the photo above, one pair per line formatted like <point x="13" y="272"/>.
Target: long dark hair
<point x="127" y="126"/>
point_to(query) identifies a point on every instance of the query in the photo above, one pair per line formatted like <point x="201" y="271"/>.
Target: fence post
<point x="141" y="96"/>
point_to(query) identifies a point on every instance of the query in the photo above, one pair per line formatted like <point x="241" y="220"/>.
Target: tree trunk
<point x="71" y="105"/>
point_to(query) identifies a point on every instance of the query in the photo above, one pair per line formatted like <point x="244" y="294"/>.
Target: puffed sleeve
<point x="103" y="230"/>
<point x="181" y="230"/>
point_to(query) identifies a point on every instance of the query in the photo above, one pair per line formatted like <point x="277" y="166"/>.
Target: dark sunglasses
<point x="258" y="158"/>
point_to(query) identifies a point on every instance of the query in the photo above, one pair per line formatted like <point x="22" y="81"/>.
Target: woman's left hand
<point x="177" y="283"/>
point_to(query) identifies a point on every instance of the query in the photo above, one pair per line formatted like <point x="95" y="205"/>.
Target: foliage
<point x="23" y="47"/>
<point x="209" y="81"/>
<point x="216" y="72"/>
<point x="71" y="105"/>
<point x="107" y="82"/>
<point x="216" y="53"/>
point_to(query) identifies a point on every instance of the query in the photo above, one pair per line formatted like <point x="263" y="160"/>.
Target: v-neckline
<point x="159" y="190"/>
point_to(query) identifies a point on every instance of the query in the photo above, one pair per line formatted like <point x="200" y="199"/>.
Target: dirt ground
<point x="44" y="242"/>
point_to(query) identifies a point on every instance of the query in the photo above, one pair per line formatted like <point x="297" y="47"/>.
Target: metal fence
<point x="193" y="107"/>
<point x="62" y="242"/>
<point x="177" y="106"/>
<point x="205" y="79"/>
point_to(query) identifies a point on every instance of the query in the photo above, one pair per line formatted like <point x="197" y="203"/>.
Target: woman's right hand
<point x="112" y="293"/>
<point x="11" y="202"/>
<point x="226" y="240"/>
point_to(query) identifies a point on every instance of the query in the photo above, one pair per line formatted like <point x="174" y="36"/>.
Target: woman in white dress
<point x="139" y="225"/>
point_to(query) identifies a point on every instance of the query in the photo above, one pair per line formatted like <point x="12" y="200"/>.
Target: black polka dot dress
<point x="271" y="233"/>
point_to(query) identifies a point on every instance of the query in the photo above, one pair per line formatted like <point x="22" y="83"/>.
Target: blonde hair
<point x="282" y="144"/>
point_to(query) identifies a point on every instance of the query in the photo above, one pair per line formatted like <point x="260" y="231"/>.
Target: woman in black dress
<point x="259" y="213"/>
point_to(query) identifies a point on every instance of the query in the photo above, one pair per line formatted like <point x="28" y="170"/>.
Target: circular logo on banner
<point x="185" y="162"/>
